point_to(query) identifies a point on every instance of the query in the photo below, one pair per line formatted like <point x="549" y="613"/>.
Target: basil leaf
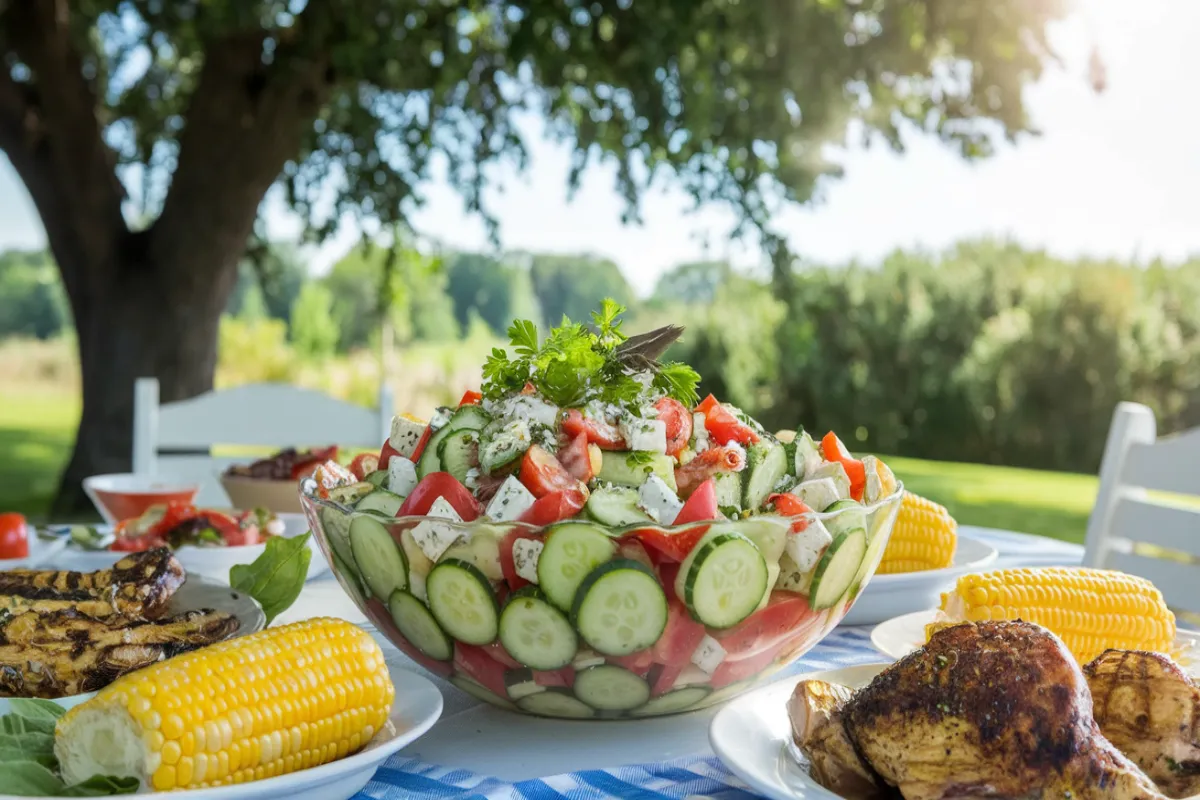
<point x="30" y="779"/>
<point x="34" y="708"/>
<point x="276" y="577"/>
<point x="16" y="724"/>
<point x="38" y="747"/>
<point x="101" y="786"/>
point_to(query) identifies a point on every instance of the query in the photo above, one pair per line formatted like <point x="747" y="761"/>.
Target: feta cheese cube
<point x="834" y="471"/>
<point x="585" y="658"/>
<point x="657" y="500"/>
<point x="435" y="538"/>
<point x="402" y="476"/>
<point x="791" y="577"/>
<point x="511" y="501"/>
<point x="874" y="488"/>
<point x="644" y="434"/>
<point x="805" y="547"/>
<point x="818" y="494"/>
<point x="531" y="409"/>
<point x="700" y="441"/>
<point x="471" y="479"/>
<point x="440" y="417"/>
<point x="691" y="676"/>
<point x="406" y="434"/>
<point x="708" y="655"/>
<point x="526" y="553"/>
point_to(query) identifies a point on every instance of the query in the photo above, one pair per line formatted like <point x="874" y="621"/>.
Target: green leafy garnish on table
<point x="28" y="767"/>
<point x="276" y="577"/>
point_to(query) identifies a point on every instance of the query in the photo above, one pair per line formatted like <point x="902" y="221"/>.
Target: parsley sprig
<point x="575" y="364"/>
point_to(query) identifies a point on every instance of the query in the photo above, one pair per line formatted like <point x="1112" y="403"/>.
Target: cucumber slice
<point x="470" y="417"/>
<point x="536" y="633"/>
<point x="572" y="551"/>
<point x="852" y="516"/>
<point x="617" y="467"/>
<point x="430" y="460"/>
<point x="611" y="688"/>
<point x="620" y="608"/>
<point x="837" y="568"/>
<point x="336" y="524"/>
<point x="381" y="501"/>
<point x="724" y="578"/>
<point x="480" y="692"/>
<point x="766" y="463"/>
<point x="729" y="489"/>
<point x="673" y="702"/>
<point x="353" y="582"/>
<point x="482" y="549"/>
<point x="503" y="444"/>
<point x="556" y="702"/>
<point x="378" y="478"/>
<point x="462" y="601"/>
<point x="419" y="627"/>
<point x="459" y="452"/>
<point x="769" y="534"/>
<point x="615" y="506"/>
<point x="380" y="562"/>
<point x="521" y="683"/>
<point x="419" y="564"/>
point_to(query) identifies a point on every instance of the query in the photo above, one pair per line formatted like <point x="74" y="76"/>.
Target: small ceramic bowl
<point x="121" y="496"/>
<point x="278" y="496"/>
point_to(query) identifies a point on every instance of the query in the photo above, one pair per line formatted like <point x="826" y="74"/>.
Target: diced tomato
<point x="227" y="526"/>
<point x="497" y="651"/>
<point x="671" y="545"/>
<point x="555" y="507"/>
<point x="632" y="549"/>
<point x="707" y="404"/>
<point x="134" y="544"/>
<point x="14" y="536"/>
<point x="364" y="464"/>
<point x="638" y="663"/>
<point x="600" y="432"/>
<point x="785" y="616"/>
<point x="663" y="677"/>
<point x="701" y="505"/>
<point x="416" y="456"/>
<point x="480" y="666"/>
<point x="679" y="639"/>
<point x="378" y="613"/>
<point x="679" y="424"/>
<point x="730" y="671"/>
<point x="834" y="450"/>
<point x="668" y="571"/>
<point x="542" y="474"/>
<point x="788" y="504"/>
<point x="507" y="566"/>
<point x="576" y="458"/>
<point x="433" y="486"/>
<point x="556" y="677"/>
<point x="722" y="425"/>
<point x="470" y="398"/>
<point x="386" y="453"/>
<point x="707" y="464"/>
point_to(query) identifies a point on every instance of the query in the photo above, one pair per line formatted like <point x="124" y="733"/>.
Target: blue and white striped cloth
<point x="698" y="778"/>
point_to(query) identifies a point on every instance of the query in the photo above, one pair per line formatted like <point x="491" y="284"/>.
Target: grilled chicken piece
<point x="992" y="709"/>
<point x="61" y="653"/>
<point x="815" y="710"/>
<point x="136" y="587"/>
<point x="1149" y="709"/>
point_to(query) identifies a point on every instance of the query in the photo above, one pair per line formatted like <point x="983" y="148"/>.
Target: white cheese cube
<point x="657" y="500"/>
<point x="435" y="538"/>
<point x="791" y="577"/>
<point x="700" y="441"/>
<point x="471" y="479"/>
<point x="806" y="547"/>
<point x="440" y="417"/>
<point x="874" y="488"/>
<point x="818" y="494"/>
<point x="708" y="655"/>
<point x="526" y="553"/>
<point x="406" y="434"/>
<point x="531" y="409"/>
<point x="835" y="472"/>
<point x="402" y="476"/>
<point x="644" y="434"/>
<point x="511" y="501"/>
<point x="585" y="658"/>
<point x="691" y="676"/>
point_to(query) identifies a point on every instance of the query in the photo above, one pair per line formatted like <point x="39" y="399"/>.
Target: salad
<point x="585" y="536"/>
<point x="287" y="465"/>
<point x="178" y="525"/>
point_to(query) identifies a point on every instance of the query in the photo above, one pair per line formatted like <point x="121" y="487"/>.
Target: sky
<point x="1113" y="174"/>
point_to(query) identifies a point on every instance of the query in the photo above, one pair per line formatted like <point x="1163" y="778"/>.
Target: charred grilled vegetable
<point x="137" y="587"/>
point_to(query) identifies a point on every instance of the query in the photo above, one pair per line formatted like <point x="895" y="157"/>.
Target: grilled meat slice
<point x="65" y="652"/>
<point x="991" y="709"/>
<point x="1149" y="709"/>
<point x="136" y="587"/>
<point x="815" y="710"/>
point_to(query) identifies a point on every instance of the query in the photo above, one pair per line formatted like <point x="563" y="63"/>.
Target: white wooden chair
<point x="176" y="439"/>
<point x="1125" y="515"/>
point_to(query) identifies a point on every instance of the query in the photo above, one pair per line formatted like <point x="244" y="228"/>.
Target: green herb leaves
<point x="27" y="759"/>
<point x="276" y="577"/>
<point x="679" y="381"/>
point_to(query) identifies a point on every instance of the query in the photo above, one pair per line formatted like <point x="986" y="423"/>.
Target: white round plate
<point x="40" y="551"/>
<point x="752" y="736"/>
<point x="889" y="595"/>
<point x="418" y="705"/>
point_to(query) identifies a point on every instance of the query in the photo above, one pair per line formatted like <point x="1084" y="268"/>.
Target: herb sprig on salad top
<point x="576" y="364"/>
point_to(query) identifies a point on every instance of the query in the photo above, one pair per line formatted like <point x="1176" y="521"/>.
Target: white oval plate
<point x="889" y="595"/>
<point x="40" y="551"/>
<point x="418" y="705"/>
<point x="752" y="736"/>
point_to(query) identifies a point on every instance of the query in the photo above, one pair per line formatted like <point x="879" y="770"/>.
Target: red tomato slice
<point x="385" y="454"/>
<point x="671" y="545"/>
<point x="14" y="536"/>
<point x="557" y="677"/>
<point x="497" y="651"/>
<point x="733" y="671"/>
<point x="507" y="566"/>
<point x="724" y="427"/>
<point x="679" y="639"/>
<point x="834" y="450"/>
<point x="576" y="458"/>
<point x="433" y="486"/>
<point x="416" y="456"/>
<point x="364" y="464"/>
<point x="480" y="666"/>
<point x="701" y="505"/>
<point x="788" y="504"/>
<point x="679" y="424"/>
<point x="470" y="398"/>
<point x="542" y="474"/>
<point x="132" y="544"/>
<point x="785" y="616"/>
<point x="599" y="432"/>
<point x="638" y="663"/>
<point x="555" y="507"/>
<point x="668" y="571"/>
<point x="707" y="404"/>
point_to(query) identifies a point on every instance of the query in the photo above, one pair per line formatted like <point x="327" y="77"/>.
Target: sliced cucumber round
<point x="766" y="463"/>
<point x="459" y="452"/>
<point x="469" y="417"/>
<point x="419" y="627"/>
<point x="353" y="582"/>
<point x="620" y="608"/>
<point x="556" y="702"/>
<point x="616" y="506"/>
<point x="837" y="568"/>
<point x="379" y="478"/>
<point x="380" y="561"/>
<point x="673" y="702"/>
<point x="572" y="550"/>
<point x="852" y="516"/>
<point x="536" y="633"/>
<point x="382" y="502"/>
<point x="462" y="601"/>
<point x="725" y="580"/>
<point x="611" y="688"/>
<point x="336" y="524"/>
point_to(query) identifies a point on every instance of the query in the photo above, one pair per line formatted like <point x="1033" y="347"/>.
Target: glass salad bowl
<point x="585" y="621"/>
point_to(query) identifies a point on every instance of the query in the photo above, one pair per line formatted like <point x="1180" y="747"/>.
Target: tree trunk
<point x="152" y="320"/>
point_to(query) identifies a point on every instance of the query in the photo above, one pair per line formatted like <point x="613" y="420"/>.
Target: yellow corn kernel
<point x="924" y="537"/>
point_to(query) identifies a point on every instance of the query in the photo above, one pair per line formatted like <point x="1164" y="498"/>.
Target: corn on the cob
<point x="924" y="537"/>
<point x="1091" y="610"/>
<point x="262" y="705"/>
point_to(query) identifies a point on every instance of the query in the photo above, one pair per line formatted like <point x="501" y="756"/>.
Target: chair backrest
<point x="177" y="438"/>
<point x="1127" y="517"/>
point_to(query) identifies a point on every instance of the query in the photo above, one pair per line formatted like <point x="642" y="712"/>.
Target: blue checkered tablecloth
<point x="694" y="778"/>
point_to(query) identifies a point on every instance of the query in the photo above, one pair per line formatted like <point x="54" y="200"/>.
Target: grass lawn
<point x="36" y="430"/>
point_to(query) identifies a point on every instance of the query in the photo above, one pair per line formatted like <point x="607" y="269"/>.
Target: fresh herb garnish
<point x="276" y="577"/>
<point x="639" y="458"/>
<point x="27" y="759"/>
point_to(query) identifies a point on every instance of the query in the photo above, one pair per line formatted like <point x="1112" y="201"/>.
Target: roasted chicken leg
<point x="818" y="730"/>
<point x="1149" y="709"/>
<point x="137" y="587"/>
